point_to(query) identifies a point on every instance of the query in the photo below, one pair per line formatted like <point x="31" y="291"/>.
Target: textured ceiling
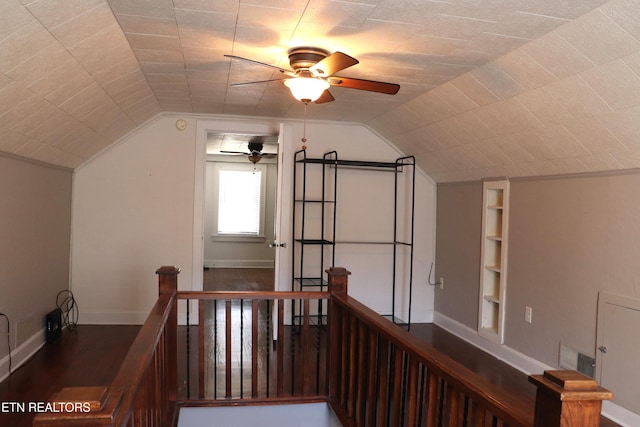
<point x="488" y="87"/>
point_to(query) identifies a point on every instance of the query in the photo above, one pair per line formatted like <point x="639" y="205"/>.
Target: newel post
<point x="338" y="279"/>
<point x="167" y="279"/>
<point x="568" y="399"/>
<point x="168" y="284"/>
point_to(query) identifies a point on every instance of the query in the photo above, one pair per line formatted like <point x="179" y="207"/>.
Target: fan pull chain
<point x="304" y="129"/>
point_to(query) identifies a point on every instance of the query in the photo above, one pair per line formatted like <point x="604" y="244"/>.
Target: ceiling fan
<point x="254" y="154"/>
<point x="313" y="72"/>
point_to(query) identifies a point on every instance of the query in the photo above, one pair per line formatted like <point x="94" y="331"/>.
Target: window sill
<point x="237" y="238"/>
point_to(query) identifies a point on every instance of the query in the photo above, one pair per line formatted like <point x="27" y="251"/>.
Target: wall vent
<point x="574" y="360"/>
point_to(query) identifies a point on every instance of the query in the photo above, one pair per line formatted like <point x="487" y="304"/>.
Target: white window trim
<point x="260" y="237"/>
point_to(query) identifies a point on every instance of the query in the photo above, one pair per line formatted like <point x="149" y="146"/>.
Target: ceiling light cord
<point x="304" y="128"/>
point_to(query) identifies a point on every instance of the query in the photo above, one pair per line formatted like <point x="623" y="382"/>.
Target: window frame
<point x="243" y="167"/>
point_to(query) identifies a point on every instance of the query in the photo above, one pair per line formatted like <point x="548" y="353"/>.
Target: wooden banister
<point x="414" y="384"/>
<point x="372" y="372"/>
<point x="145" y="388"/>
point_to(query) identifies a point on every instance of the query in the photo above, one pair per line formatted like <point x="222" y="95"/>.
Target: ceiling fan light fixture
<point x="306" y="89"/>
<point x="254" y="157"/>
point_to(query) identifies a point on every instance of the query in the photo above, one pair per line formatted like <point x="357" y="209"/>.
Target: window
<point x="240" y="200"/>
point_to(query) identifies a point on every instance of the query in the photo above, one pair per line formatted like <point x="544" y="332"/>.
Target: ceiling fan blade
<point x="258" y="81"/>
<point x="370" y="85"/>
<point x="333" y="63"/>
<point x="282" y="70"/>
<point x="325" y="97"/>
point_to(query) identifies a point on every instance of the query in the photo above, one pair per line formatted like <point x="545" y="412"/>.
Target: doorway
<point x="240" y="211"/>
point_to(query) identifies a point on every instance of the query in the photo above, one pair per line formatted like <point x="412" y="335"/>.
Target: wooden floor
<point x="92" y="354"/>
<point x="89" y="356"/>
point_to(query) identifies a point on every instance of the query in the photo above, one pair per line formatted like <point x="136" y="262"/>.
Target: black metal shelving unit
<point x="326" y="202"/>
<point x="320" y="241"/>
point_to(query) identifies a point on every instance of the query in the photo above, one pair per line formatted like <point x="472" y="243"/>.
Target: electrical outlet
<point x="528" y="314"/>
<point x="442" y="283"/>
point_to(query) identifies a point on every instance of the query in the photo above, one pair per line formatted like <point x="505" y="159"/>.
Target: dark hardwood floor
<point x="238" y="279"/>
<point x="92" y="354"/>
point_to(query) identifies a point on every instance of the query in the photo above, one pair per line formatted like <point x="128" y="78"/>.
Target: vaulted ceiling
<point x="488" y="87"/>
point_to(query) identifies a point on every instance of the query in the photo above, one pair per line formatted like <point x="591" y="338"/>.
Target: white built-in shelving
<point x="493" y="255"/>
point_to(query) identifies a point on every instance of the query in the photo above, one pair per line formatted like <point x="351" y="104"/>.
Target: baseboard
<point x="239" y="263"/>
<point x="113" y="317"/>
<point x="525" y="364"/>
<point x="22" y="353"/>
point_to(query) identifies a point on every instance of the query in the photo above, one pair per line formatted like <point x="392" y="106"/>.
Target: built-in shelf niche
<point x="493" y="269"/>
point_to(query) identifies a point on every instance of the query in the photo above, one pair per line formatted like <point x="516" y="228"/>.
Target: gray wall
<point x="458" y="229"/>
<point x="570" y="237"/>
<point x="35" y="221"/>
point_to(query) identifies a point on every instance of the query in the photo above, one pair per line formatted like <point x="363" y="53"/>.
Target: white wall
<point x="133" y="211"/>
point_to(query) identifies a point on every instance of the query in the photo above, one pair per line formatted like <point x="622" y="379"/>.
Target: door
<point x="617" y="349"/>
<point x="282" y="223"/>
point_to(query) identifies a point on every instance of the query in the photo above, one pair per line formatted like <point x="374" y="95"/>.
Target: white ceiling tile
<point x="471" y="88"/>
<point x="497" y="81"/>
<point x="85" y="25"/>
<point x="13" y="17"/>
<point x="151" y="8"/>
<point x="625" y="125"/>
<point x="531" y="142"/>
<point x="577" y="97"/>
<point x="615" y="83"/>
<point x="153" y="42"/>
<point x="205" y="21"/>
<point x="626" y="13"/>
<point x="593" y="135"/>
<point x="336" y="14"/>
<point x="598" y="38"/>
<point x="148" y="25"/>
<point x="220" y="6"/>
<point x="557" y="55"/>
<point x="454" y="97"/>
<point x="506" y="117"/>
<point x="53" y="13"/>
<point x="524" y="70"/>
<point x="11" y="96"/>
<point x="561" y="141"/>
<point x="23" y="44"/>
<point x="12" y="141"/>
<point x="545" y="107"/>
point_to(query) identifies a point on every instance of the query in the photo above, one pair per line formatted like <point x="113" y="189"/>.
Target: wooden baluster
<point x="280" y="351"/>
<point x="373" y="374"/>
<point x="255" y="327"/>
<point x="227" y="344"/>
<point x="412" y="393"/>
<point x="305" y="349"/>
<point x="568" y="399"/>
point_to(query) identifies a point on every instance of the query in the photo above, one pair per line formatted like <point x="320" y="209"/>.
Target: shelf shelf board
<point x="315" y="241"/>
<point x="494" y="238"/>
<point x="314" y="320"/>
<point x="493" y="268"/>
<point x="492" y="299"/>
<point x="495" y="207"/>
<point x="311" y="281"/>
<point x="355" y="163"/>
<point x="313" y="201"/>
